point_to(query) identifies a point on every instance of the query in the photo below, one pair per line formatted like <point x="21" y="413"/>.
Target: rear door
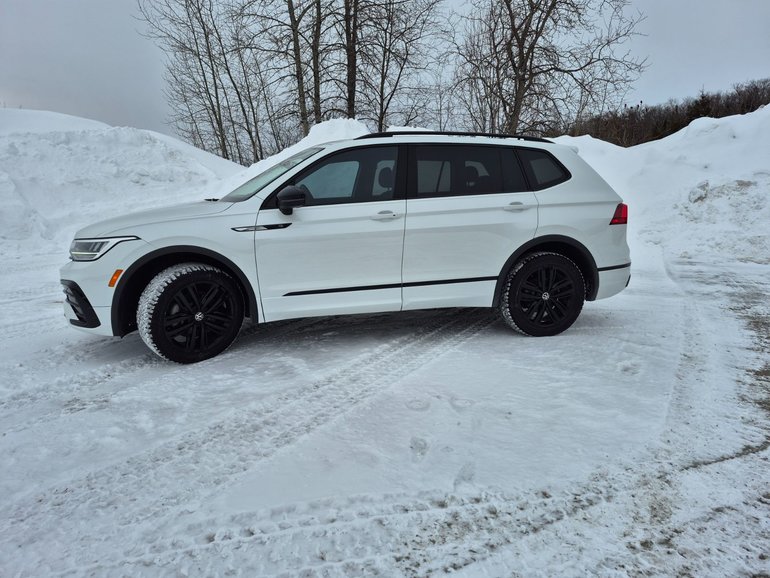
<point x="468" y="209"/>
<point x="341" y="253"/>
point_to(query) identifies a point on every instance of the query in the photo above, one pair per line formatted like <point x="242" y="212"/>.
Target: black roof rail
<point x="450" y="133"/>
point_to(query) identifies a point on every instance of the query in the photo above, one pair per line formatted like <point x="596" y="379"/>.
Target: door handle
<point x="385" y="216"/>
<point x="516" y="206"/>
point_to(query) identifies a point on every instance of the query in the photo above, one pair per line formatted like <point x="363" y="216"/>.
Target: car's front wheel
<point x="190" y="312"/>
<point x="543" y="294"/>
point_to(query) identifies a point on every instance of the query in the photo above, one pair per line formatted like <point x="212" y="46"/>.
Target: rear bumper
<point x="612" y="280"/>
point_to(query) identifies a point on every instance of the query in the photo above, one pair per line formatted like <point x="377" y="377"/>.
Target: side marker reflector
<point x="115" y="276"/>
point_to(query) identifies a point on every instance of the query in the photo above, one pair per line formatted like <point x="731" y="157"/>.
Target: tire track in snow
<point x="364" y="535"/>
<point x="172" y="476"/>
<point x="84" y="389"/>
<point x="668" y="527"/>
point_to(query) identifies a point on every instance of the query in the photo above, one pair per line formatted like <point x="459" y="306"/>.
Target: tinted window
<point x="335" y="180"/>
<point x="444" y="170"/>
<point x="354" y="176"/>
<point x="384" y="180"/>
<point x="513" y="177"/>
<point x="542" y="169"/>
<point x="434" y="176"/>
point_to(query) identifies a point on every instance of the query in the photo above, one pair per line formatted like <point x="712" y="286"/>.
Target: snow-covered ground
<point x="395" y="445"/>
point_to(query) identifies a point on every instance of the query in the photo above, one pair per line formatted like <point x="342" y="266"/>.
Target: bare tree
<point x="248" y="77"/>
<point x="293" y="37"/>
<point x="394" y="55"/>
<point x="528" y="65"/>
<point x="207" y="80"/>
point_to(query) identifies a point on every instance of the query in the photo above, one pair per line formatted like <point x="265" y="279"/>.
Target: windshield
<point x="253" y="186"/>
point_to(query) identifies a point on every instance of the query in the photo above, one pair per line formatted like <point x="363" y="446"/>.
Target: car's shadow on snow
<point x="346" y="330"/>
<point x="343" y="336"/>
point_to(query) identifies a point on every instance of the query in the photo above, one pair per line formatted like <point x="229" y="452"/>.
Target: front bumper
<point x="77" y="307"/>
<point x="81" y="314"/>
<point x="88" y="303"/>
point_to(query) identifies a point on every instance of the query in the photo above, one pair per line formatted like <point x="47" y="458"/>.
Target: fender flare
<point x="577" y="251"/>
<point x="125" y="287"/>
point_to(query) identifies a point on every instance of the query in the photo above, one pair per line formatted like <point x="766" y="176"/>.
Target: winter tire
<point x="190" y="312"/>
<point x="543" y="294"/>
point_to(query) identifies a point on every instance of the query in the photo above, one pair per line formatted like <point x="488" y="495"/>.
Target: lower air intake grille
<point x="86" y="317"/>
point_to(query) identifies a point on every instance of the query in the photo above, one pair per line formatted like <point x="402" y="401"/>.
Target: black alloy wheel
<point x="190" y="312"/>
<point x="199" y="315"/>
<point x="543" y="295"/>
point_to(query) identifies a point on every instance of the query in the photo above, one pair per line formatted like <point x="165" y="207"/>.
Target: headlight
<point x="92" y="249"/>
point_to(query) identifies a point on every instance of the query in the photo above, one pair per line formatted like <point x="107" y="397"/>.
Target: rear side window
<point x="542" y="169"/>
<point x="452" y="170"/>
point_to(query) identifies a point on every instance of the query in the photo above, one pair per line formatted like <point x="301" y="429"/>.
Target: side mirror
<point x="290" y="197"/>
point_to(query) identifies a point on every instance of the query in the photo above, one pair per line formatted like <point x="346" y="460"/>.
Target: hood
<point x="123" y="224"/>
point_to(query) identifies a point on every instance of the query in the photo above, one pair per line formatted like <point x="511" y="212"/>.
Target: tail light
<point x="621" y="215"/>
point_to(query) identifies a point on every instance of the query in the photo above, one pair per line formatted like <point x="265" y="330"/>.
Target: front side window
<point x="352" y="176"/>
<point x="335" y="180"/>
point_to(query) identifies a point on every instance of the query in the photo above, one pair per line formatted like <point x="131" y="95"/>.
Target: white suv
<point x="387" y="222"/>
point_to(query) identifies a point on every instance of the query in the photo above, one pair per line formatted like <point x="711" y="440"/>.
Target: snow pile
<point x="42" y="121"/>
<point x="59" y="173"/>
<point x="702" y="190"/>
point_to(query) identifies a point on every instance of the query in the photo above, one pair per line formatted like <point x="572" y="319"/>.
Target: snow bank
<point x="59" y="173"/>
<point x="41" y="121"/>
<point x="705" y="187"/>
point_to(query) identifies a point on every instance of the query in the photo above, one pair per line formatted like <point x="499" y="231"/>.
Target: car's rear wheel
<point x="190" y="312"/>
<point x="543" y="294"/>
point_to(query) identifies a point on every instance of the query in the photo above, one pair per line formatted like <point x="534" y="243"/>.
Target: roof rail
<point x="450" y="133"/>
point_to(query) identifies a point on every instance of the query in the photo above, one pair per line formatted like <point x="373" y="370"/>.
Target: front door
<point x="341" y="252"/>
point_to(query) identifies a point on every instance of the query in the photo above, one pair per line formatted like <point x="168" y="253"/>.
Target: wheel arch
<point x="136" y="277"/>
<point x="566" y="246"/>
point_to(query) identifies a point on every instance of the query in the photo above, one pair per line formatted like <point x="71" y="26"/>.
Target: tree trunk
<point x="351" y="54"/>
<point x="298" y="72"/>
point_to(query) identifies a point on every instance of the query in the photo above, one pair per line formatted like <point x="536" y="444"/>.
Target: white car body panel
<point x="613" y="281"/>
<point x="581" y="209"/>
<point x="327" y="247"/>
<point x="218" y="236"/>
<point x="463" y="237"/>
<point x="162" y="216"/>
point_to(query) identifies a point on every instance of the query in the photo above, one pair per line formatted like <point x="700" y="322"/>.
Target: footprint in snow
<point x="465" y="475"/>
<point x="418" y="404"/>
<point x="460" y="404"/>
<point x="419" y="448"/>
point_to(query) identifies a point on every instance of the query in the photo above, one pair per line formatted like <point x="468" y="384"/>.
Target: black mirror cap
<point x="290" y="197"/>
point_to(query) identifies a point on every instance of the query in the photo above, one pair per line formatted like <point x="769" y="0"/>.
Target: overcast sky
<point x="86" y="57"/>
